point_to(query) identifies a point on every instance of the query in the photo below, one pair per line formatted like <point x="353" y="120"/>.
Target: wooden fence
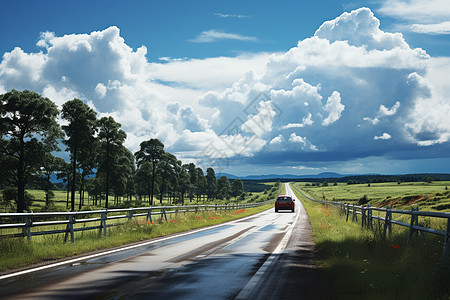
<point x="367" y="217"/>
<point x="27" y="221"/>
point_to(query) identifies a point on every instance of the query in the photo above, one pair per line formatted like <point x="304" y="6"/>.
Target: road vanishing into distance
<point x="265" y="256"/>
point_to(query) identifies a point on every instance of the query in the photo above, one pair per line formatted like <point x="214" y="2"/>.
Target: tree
<point x="166" y="171"/>
<point x="144" y="179"/>
<point x="237" y="188"/>
<point x="182" y="180"/>
<point x="223" y="186"/>
<point x="111" y="138"/>
<point x="151" y="151"/>
<point x="123" y="172"/>
<point x="201" y="182"/>
<point x="50" y="165"/>
<point x="191" y="169"/>
<point x="26" y="120"/>
<point x="80" y="133"/>
<point x="211" y="183"/>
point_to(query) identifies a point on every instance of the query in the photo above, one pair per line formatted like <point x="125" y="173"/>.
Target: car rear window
<point x="284" y="199"/>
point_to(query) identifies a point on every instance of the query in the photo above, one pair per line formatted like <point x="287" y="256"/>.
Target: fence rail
<point x="367" y="217"/>
<point x="102" y="217"/>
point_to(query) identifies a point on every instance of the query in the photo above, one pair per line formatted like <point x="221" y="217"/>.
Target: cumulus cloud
<point x="334" y="107"/>
<point x="307" y="103"/>
<point x="384" y="136"/>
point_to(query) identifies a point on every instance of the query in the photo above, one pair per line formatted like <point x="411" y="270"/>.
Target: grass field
<point x="427" y="196"/>
<point x="58" y="202"/>
<point x="18" y="252"/>
<point x="363" y="265"/>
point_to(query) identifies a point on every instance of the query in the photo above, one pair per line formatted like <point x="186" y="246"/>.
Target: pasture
<point x="433" y="196"/>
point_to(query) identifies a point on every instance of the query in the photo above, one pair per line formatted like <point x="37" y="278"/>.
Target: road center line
<point x="248" y="288"/>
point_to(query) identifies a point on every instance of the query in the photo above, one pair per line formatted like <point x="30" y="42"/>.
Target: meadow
<point x="362" y="264"/>
<point x="20" y="253"/>
<point x="433" y="196"/>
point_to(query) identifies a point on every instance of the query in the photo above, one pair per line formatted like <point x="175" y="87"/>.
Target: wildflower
<point x="394" y="246"/>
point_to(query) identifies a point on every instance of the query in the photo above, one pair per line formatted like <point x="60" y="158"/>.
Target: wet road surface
<point x="260" y="257"/>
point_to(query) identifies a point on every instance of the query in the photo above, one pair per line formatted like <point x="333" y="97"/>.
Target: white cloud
<point x="384" y="136"/>
<point x="221" y="15"/>
<point x="100" y="89"/>
<point x="439" y="28"/>
<point x="217" y="35"/>
<point x="277" y="140"/>
<point x="417" y="10"/>
<point x="383" y="111"/>
<point x="293" y="138"/>
<point x="241" y="106"/>
<point x="425" y="16"/>
<point x="334" y="107"/>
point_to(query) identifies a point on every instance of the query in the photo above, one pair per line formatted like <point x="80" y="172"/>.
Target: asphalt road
<point x="266" y="256"/>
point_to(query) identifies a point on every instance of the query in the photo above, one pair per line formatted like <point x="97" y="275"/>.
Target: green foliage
<point x="11" y="194"/>
<point x="28" y="130"/>
<point x="363" y="200"/>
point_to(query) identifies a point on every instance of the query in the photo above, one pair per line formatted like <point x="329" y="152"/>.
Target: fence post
<point x="387" y="222"/>
<point x="446" y="252"/>
<point x="163" y="213"/>
<point x="369" y="216"/>
<point x="354" y="217"/>
<point x="348" y="211"/>
<point x="363" y="214"/>
<point x="411" y="224"/>
<point x="69" y="229"/>
<point x="103" y="222"/>
<point x="26" y="231"/>
<point x="149" y="215"/>
<point x="130" y="214"/>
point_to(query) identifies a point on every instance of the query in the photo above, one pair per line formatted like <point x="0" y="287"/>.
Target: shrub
<point x="363" y="200"/>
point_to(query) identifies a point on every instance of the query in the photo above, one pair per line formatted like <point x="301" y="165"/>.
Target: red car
<point x="285" y="202"/>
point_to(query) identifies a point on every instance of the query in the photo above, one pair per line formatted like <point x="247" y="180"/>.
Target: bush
<point x="363" y="200"/>
<point x="10" y="194"/>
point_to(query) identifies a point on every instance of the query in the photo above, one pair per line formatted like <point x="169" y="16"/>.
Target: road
<point x="265" y="256"/>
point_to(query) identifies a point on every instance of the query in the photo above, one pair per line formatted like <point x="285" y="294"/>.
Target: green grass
<point x="58" y="203"/>
<point x="18" y="252"/>
<point x="427" y="196"/>
<point x="363" y="265"/>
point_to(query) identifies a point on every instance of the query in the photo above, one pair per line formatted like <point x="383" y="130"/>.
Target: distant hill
<point x="331" y="176"/>
<point x="284" y="176"/>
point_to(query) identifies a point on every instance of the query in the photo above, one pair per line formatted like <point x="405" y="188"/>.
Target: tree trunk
<point x="74" y="174"/>
<point x="21" y="178"/>
<point x="153" y="182"/>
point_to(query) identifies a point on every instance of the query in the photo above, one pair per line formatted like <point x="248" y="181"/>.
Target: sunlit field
<point x="363" y="265"/>
<point x="433" y="196"/>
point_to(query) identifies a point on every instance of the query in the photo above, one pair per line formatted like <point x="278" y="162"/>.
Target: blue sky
<point x="249" y="87"/>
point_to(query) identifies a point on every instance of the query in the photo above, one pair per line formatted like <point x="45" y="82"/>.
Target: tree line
<point x="99" y="162"/>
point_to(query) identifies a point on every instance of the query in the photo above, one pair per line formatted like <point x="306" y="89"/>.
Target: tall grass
<point x="364" y="265"/>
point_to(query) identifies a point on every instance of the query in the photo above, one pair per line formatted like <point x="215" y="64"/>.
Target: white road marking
<point x="77" y="261"/>
<point x="248" y="288"/>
